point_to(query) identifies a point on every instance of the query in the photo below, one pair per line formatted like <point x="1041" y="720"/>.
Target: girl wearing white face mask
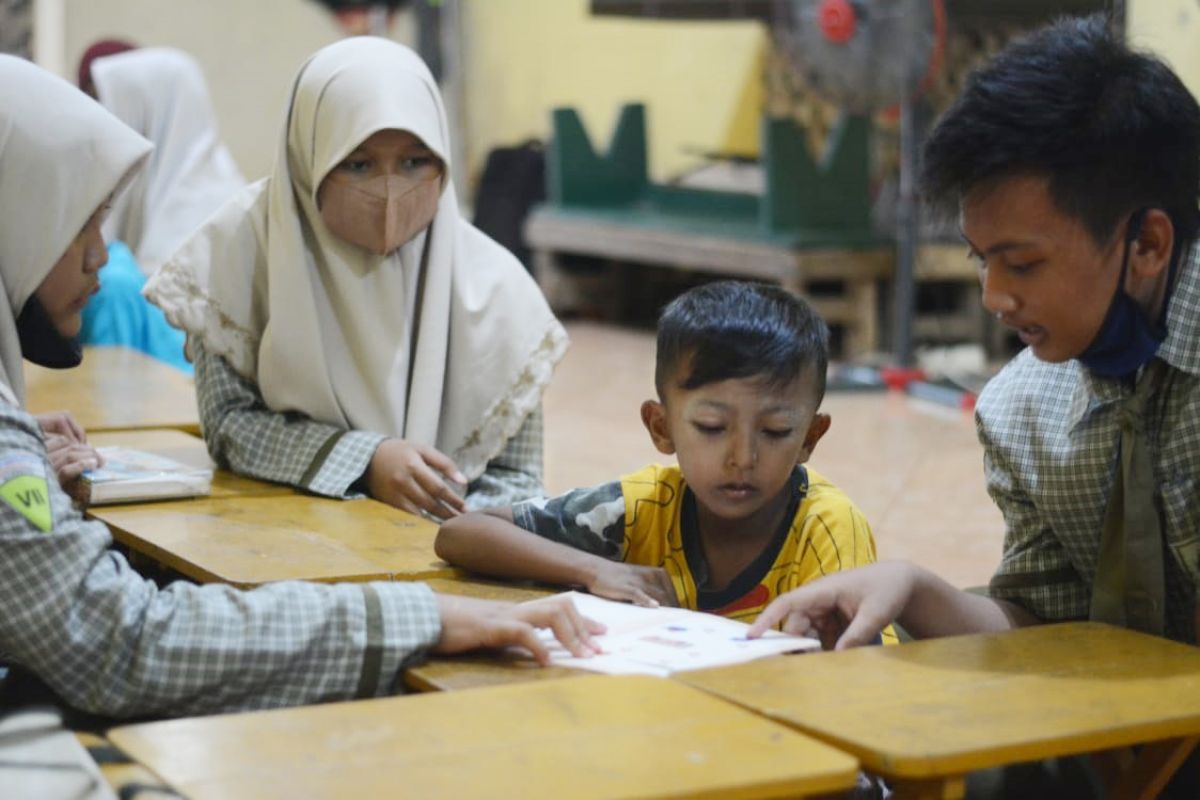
<point x="350" y="331"/>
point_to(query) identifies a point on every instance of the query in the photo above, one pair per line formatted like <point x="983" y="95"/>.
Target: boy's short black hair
<point x="1114" y="130"/>
<point x="736" y="329"/>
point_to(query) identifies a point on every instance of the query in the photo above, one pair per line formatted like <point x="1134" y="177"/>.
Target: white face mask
<point x="379" y="214"/>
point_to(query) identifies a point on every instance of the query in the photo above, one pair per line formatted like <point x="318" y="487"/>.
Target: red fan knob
<point x="837" y="20"/>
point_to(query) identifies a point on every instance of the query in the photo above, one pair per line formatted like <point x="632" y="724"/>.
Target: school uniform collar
<point x="1180" y="350"/>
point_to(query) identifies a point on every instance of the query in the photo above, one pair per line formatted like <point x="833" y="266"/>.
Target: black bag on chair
<point x="513" y="181"/>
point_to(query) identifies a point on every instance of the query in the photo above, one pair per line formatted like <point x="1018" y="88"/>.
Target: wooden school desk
<point x="925" y="714"/>
<point x="188" y="449"/>
<point x="476" y="670"/>
<point x="115" y="388"/>
<point x="249" y="541"/>
<point x="597" y="737"/>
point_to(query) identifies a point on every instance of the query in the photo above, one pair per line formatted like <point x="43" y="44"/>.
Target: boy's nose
<point x="995" y="296"/>
<point x="742" y="452"/>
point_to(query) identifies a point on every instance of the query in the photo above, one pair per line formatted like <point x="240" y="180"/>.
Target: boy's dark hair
<point x="1114" y="130"/>
<point x="735" y="329"/>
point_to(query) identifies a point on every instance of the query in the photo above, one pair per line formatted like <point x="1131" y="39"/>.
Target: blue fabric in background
<point x="119" y="315"/>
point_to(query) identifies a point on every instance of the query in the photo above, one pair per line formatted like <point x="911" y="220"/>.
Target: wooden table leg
<point x="1153" y="766"/>
<point x="949" y="788"/>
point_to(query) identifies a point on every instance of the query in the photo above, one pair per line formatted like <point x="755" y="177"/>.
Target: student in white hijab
<point x="160" y="93"/>
<point x="73" y="614"/>
<point x="350" y="330"/>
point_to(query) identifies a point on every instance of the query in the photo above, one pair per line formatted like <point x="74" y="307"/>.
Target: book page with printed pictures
<point x="660" y="641"/>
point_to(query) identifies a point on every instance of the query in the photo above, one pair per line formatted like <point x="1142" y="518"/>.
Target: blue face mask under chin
<point x="1127" y="340"/>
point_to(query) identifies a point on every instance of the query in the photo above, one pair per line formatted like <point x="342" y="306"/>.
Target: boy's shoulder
<point x="820" y="491"/>
<point x="653" y="474"/>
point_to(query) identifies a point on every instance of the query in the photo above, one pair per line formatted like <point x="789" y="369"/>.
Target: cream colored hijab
<point x="445" y="342"/>
<point x="161" y="94"/>
<point x="61" y="156"/>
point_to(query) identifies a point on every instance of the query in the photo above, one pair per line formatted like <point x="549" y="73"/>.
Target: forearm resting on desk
<point x="245" y="435"/>
<point x="490" y="543"/>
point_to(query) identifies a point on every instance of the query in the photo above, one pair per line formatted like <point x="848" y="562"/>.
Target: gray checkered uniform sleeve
<point x="251" y="439"/>
<point x="110" y="642"/>
<point x="515" y="474"/>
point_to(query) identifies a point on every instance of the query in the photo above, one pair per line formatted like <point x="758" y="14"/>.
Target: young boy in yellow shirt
<point x="740" y="376"/>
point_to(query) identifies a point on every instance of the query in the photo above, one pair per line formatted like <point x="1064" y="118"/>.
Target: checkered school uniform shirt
<point x="1050" y="434"/>
<point x="251" y="439"/>
<point x="73" y="612"/>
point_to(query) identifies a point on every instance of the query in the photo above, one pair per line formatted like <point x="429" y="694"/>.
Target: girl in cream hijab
<point x="57" y="177"/>
<point x="350" y="330"/>
<point x="161" y="94"/>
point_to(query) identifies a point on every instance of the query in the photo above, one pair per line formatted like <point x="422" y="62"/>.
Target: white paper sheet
<point x="659" y="641"/>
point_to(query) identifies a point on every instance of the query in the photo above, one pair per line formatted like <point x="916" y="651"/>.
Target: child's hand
<point x="470" y="624"/>
<point x="643" y="586"/>
<point x="406" y="475"/>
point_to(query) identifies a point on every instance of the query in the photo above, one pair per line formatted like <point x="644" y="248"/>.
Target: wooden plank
<point x="945" y="707"/>
<point x="258" y="540"/>
<point x="596" y="737"/>
<point x="115" y="388"/>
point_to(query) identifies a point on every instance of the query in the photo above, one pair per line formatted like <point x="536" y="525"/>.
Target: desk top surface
<point x="249" y="541"/>
<point x="949" y="706"/>
<point x="188" y="449"/>
<point x="601" y="737"/>
<point x="115" y="388"/>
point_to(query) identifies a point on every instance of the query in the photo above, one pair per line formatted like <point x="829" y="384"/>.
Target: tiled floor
<point x="914" y="469"/>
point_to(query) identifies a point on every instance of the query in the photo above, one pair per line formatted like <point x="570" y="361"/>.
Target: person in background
<point x="160" y="93"/>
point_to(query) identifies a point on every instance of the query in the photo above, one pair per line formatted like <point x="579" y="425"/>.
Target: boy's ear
<point x="1150" y="255"/>
<point x="654" y="417"/>
<point x="816" y="429"/>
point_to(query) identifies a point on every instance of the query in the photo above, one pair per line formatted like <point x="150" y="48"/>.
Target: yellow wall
<point x="1170" y="28"/>
<point x="249" y="50"/>
<point x="520" y="58"/>
<point x="699" y="80"/>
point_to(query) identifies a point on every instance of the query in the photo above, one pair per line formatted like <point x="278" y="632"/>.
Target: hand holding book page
<point x="130" y="475"/>
<point x="660" y="641"/>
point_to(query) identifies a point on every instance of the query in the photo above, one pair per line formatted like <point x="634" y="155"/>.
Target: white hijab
<point x="61" y="156"/>
<point x="161" y="94"/>
<point x="446" y="342"/>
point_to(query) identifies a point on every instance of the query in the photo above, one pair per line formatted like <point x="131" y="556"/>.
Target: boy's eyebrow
<point x="783" y="408"/>
<point x="996" y="249"/>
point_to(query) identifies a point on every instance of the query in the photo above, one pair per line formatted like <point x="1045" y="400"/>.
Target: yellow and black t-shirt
<point x="649" y="518"/>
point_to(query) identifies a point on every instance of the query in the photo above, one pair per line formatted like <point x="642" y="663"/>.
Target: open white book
<point x="130" y="475"/>
<point x="660" y="641"/>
